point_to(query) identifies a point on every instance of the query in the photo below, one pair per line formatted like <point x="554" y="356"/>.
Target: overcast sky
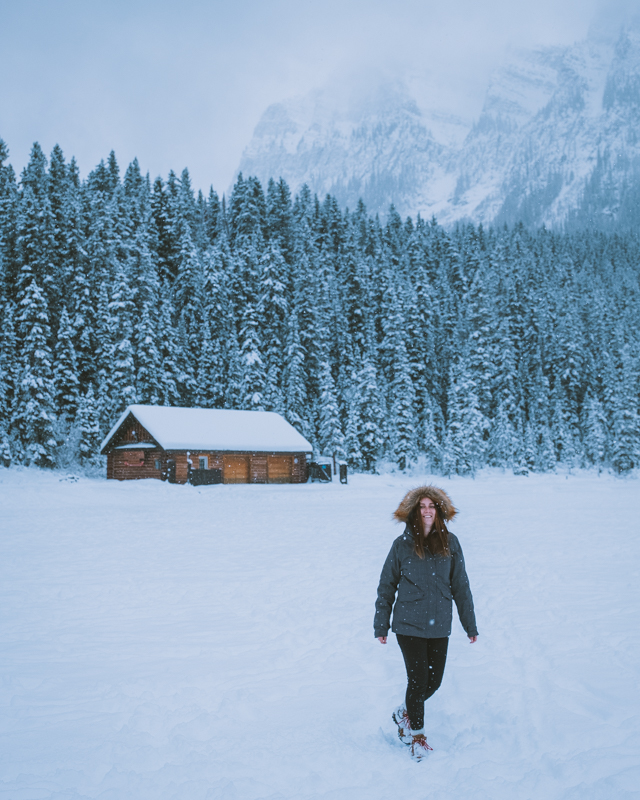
<point x="183" y="83"/>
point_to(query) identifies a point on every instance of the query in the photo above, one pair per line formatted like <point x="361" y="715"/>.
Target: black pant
<point x="424" y="660"/>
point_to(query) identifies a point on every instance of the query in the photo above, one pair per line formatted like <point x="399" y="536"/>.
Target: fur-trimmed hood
<point x="412" y="498"/>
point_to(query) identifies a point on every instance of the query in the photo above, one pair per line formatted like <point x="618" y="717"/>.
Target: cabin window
<point x="203" y="462"/>
<point x="156" y="463"/>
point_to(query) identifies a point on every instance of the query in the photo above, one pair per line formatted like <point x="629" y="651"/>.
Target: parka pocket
<point x="408" y="591"/>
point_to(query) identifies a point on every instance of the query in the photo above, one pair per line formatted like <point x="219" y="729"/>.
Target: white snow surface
<point x="216" y="429"/>
<point x="172" y="642"/>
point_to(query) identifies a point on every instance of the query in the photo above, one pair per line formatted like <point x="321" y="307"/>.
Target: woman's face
<point x="428" y="513"/>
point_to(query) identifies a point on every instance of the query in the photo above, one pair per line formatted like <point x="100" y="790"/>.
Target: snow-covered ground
<point x="165" y="642"/>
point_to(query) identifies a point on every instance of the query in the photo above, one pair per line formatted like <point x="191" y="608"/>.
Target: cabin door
<point x="171" y="471"/>
<point x="279" y="469"/>
<point x="236" y="469"/>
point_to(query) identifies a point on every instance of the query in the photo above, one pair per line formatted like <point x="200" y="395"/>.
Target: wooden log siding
<point x="123" y="466"/>
<point x="131" y="432"/>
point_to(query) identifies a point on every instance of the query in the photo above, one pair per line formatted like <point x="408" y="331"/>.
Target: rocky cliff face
<point x="557" y="142"/>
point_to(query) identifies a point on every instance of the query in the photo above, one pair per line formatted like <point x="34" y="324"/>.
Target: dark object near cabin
<point x="343" y="473"/>
<point x="205" y="477"/>
<point x="320" y="472"/>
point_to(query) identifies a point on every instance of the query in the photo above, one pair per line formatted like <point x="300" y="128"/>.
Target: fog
<point x="182" y="84"/>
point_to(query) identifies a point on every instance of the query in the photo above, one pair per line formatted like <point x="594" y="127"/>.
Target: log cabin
<point x="202" y="445"/>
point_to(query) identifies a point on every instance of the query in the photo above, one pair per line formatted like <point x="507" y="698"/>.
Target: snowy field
<point x="172" y="642"/>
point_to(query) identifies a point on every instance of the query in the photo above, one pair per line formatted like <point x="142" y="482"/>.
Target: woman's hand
<point x="382" y="639"/>
<point x="473" y="639"/>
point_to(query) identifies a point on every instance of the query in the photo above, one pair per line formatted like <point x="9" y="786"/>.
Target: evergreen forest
<point x="380" y="341"/>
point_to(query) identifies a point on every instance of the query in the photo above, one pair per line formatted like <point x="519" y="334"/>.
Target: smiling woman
<point x="425" y="566"/>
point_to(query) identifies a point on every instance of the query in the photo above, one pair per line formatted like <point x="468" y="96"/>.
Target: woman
<point x="426" y="567"/>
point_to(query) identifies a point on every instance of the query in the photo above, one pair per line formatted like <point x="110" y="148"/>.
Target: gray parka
<point x="426" y="587"/>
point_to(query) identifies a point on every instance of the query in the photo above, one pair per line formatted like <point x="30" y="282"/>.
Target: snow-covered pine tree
<point x="433" y="433"/>
<point x="88" y="422"/>
<point x="297" y="410"/>
<point x="371" y="412"/>
<point x="188" y="305"/>
<point x="464" y="449"/>
<point x="235" y="383"/>
<point x="351" y="439"/>
<point x="272" y="314"/>
<point x="8" y="215"/>
<point x="210" y="378"/>
<point x="145" y="325"/>
<point x="8" y="368"/>
<point x="122" y="375"/>
<point x="594" y="432"/>
<point x="168" y="390"/>
<point x="35" y="230"/>
<point x="529" y="447"/>
<point x="218" y="327"/>
<point x="8" y="358"/>
<point x="33" y="412"/>
<point x="625" y="447"/>
<point x="6" y="455"/>
<point x="279" y="217"/>
<point x="503" y="442"/>
<point x="403" y="423"/>
<point x="253" y="375"/>
<point x="563" y="433"/>
<point x="65" y="371"/>
<point x="330" y="435"/>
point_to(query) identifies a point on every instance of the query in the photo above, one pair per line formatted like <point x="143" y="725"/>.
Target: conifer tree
<point x="122" y="376"/>
<point x="33" y="412"/>
<point x="272" y="314"/>
<point x="464" y="448"/>
<point x="168" y="390"/>
<point x="625" y="447"/>
<point x="234" y="395"/>
<point x="595" y="433"/>
<point x="330" y="435"/>
<point x="562" y="430"/>
<point x="351" y="439"/>
<point x="371" y="428"/>
<point x="403" y="427"/>
<point x="35" y="239"/>
<point x="433" y="433"/>
<point x="297" y="409"/>
<point x="89" y="427"/>
<point x="253" y="376"/>
<point x="6" y="455"/>
<point x="8" y="215"/>
<point x="65" y="371"/>
<point x="8" y="359"/>
<point x="145" y="327"/>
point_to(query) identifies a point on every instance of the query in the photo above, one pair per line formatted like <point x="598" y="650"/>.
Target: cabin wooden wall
<point x="124" y="465"/>
<point x="130" y="432"/>
<point x="127" y="465"/>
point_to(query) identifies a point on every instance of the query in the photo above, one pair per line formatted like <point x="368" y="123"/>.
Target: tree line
<point x="390" y="340"/>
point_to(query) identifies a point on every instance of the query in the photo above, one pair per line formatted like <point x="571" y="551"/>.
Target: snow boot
<point x="419" y="746"/>
<point x="401" y="718"/>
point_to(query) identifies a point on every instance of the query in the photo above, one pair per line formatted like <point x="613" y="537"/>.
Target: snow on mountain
<point x="556" y="141"/>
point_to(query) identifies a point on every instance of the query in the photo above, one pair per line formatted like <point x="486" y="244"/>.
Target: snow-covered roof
<point x="215" y="429"/>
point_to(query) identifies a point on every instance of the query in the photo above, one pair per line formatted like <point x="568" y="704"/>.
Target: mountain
<point x="557" y="141"/>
